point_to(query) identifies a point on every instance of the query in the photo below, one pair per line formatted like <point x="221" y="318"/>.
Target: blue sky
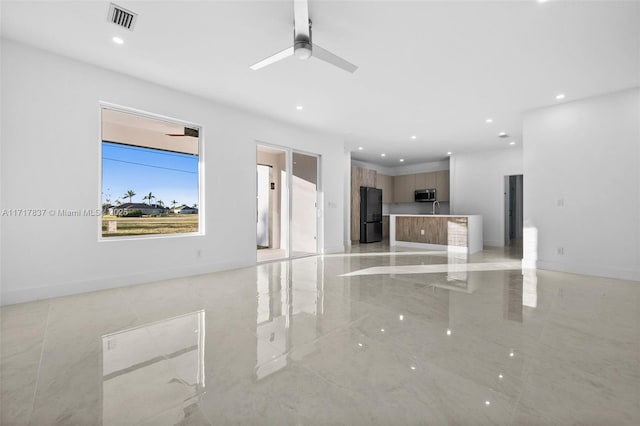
<point x="168" y="175"/>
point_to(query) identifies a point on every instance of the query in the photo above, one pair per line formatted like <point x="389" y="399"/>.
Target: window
<point x="150" y="175"/>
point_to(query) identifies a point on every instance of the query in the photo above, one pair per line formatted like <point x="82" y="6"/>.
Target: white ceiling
<point x="436" y="70"/>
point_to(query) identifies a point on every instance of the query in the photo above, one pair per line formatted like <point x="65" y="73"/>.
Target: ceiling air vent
<point x="121" y="16"/>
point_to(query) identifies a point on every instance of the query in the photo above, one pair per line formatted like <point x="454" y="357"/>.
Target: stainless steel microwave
<point x="425" y="195"/>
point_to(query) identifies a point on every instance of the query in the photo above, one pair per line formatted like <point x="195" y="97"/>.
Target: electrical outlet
<point x="199" y="253"/>
<point x="561" y="251"/>
<point x="422" y="232"/>
<point x="560" y="202"/>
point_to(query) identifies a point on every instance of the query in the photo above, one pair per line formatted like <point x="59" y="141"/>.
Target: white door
<point x="304" y="210"/>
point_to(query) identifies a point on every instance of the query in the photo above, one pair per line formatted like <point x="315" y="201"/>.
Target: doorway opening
<point x="272" y="208"/>
<point x="513" y="218"/>
<point x="287" y="223"/>
<point x="264" y="180"/>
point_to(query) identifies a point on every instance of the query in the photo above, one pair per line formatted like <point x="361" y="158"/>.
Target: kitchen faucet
<point x="433" y="209"/>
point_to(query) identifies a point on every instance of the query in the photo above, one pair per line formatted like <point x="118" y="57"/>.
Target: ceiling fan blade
<point x="273" y="58"/>
<point x="325" y="55"/>
<point x="188" y="131"/>
<point x="301" y="20"/>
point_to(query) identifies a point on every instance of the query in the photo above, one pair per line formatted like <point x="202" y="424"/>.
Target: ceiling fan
<point x="187" y="132"/>
<point x="302" y="47"/>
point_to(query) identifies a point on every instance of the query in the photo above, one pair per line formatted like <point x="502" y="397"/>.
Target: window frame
<point x="102" y="105"/>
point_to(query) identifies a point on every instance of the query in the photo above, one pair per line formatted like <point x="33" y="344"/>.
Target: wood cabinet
<point x="385" y="227"/>
<point x="438" y="180"/>
<point x="395" y="189"/>
<point x="452" y="231"/>
<point x="359" y="177"/>
<point x="403" y="188"/>
<point x="385" y="183"/>
<point x="426" y="180"/>
<point x="442" y="185"/>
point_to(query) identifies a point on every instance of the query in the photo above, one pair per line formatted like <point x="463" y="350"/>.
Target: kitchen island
<point x="456" y="233"/>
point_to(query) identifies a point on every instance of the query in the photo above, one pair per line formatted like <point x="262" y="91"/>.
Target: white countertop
<point x="436" y="215"/>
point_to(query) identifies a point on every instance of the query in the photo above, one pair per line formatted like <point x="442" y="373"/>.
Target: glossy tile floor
<point x="268" y="255"/>
<point x="423" y="338"/>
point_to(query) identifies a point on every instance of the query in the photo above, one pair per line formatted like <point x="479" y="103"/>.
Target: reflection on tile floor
<point x="268" y="254"/>
<point x="366" y="337"/>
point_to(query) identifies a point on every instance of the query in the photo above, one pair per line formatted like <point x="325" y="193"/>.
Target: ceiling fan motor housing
<point x="302" y="49"/>
<point x="302" y="44"/>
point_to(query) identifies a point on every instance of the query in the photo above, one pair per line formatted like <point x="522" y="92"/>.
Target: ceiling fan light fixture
<point x="302" y="50"/>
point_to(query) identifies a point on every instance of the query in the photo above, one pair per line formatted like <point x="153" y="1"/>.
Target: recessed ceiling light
<point x="502" y="135"/>
<point x="413" y="137"/>
<point x="512" y="143"/>
<point x="542" y="1"/>
<point x="487" y="403"/>
<point x="560" y="96"/>
<point x="360" y="148"/>
<point x="402" y="160"/>
<point x="299" y="107"/>
<point x="449" y="153"/>
<point x="383" y="155"/>
<point x="488" y="120"/>
<point x="117" y="40"/>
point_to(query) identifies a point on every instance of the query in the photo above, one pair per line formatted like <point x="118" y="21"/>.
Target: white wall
<point x="433" y="166"/>
<point x="582" y="186"/>
<point x="388" y="171"/>
<point x="50" y="156"/>
<point x="477" y="187"/>
<point x="346" y="194"/>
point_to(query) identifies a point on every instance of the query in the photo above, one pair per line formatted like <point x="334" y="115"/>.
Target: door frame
<point x="507" y="205"/>
<point x="288" y="151"/>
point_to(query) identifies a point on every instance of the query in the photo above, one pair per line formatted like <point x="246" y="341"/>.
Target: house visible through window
<point x="150" y="176"/>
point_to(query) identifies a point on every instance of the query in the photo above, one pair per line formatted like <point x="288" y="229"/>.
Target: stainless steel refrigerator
<point x="370" y="214"/>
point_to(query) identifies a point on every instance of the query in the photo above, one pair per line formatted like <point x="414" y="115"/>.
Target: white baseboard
<point x="334" y="249"/>
<point x="434" y="247"/>
<point x="493" y="243"/>
<point x="595" y="270"/>
<point x="104" y="283"/>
